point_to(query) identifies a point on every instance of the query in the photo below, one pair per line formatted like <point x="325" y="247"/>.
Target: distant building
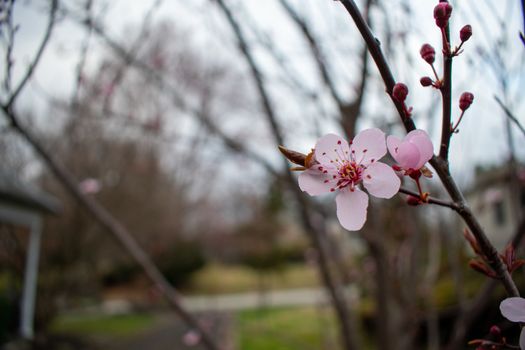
<point x="497" y="198"/>
<point x="23" y="205"/>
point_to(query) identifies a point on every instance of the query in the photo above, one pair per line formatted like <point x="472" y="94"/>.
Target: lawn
<point x="286" y="329"/>
<point x="106" y="325"/>
<point x="218" y="279"/>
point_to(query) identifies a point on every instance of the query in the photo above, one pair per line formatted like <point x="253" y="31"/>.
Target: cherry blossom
<point x="513" y="309"/>
<point x="342" y="166"/>
<point x="413" y="151"/>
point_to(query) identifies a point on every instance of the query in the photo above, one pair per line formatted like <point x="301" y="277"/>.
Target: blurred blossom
<point x="343" y="166"/>
<point x="191" y="338"/>
<point x="513" y="309"/>
<point x="90" y="186"/>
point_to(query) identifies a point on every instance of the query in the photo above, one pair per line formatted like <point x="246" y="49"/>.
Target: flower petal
<point x="331" y="148"/>
<point x="393" y="143"/>
<point x="351" y="208"/>
<point x="513" y="309"/>
<point x="421" y="140"/>
<point x="408" y="155"/>
<point x="315" y="181"/>
<point x="380" y="180"/>
<point x="369" y="146"/>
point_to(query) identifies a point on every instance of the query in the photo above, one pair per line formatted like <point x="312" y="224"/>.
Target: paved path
<point x="252" y="300"/>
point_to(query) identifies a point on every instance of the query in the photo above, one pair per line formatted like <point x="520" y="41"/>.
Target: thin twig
<point x="431" y="200"/>
<point x="446" y="93"/>
<point x="36" y="59"/>
<point x="313" y="226"/>
<point x="509" y="114"/>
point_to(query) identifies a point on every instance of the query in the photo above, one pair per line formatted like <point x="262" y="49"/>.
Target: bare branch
<point x="36" y="59"/>
<point x="106" y="220"/>
<point x="431" y="200"/>
<point x="440" y="164"/>
<point x="314" y="227"/>
<point x="509" y="114"/>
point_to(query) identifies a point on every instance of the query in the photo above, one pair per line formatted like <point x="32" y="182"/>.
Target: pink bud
<point x="465" y="33"/>
<point x="442" y="13"/>
<point x="426" y="81"/>
<point x="495" y="331"/>
<point x="428" y="53"/>
<point x="465" y="100"/>
<point x="400" y="92"/>
<point x="413" y="200"/>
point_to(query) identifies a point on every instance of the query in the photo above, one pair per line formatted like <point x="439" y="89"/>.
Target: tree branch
<point x="509" y="114"/>
<point x="313" y="224"/>
<point x="106" y="220"/>
<point x="439" y="164"/>
<point x="36" y="59"/>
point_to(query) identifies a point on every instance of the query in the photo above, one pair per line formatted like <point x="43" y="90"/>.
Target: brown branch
<point x="313" y="224"/>
<point x="440" y="164"/>
<point x="509" y="114"/>
<point x="374" y="47"/>
<point x="36" y="59"/>
<point x="431" y="200"/>
<point x="106" y="220"/>
<point x="478" y="305"/>
<point x="446" y="94"/>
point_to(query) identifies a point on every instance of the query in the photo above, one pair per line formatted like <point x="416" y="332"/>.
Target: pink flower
<point x="191" y="338"/>
<point x="413" y="151"/>
<point x="90" y="186"/>
<point x="342" y="167"/>
<point x="513" y="309"/>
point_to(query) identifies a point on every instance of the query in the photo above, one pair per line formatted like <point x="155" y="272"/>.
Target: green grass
<point x="286" y="329"/>
<point x="106" y="325"/>
<point x="217" y="279"/>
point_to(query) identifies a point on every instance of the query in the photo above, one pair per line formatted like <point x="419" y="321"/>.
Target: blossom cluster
<point x="342" y="167"/>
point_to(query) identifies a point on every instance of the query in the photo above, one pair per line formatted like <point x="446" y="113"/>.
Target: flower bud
<point x="400" y="92"/>
<point x="413" y="200"/>
<point x="428" y="53"/>
<point x="495" y="331"/>
<point x="465" y="100"/>
<point x="465" y="33"/>
<point x="426" y="81"/>
<point x="442" y="13"/>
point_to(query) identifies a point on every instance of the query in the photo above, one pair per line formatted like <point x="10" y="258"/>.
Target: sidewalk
<point x="252" y="300"/>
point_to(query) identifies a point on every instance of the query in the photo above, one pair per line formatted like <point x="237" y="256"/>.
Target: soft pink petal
<point x="315" y="182"/>
<point x="393" y="144"/>
<point x="330" y="148"/>
<point x="369" y="146"/>
<point x="513" y="309"/>
<point x="351" y="208"/>
<point x="421" y="140"/>
<point x="407" y="155"/>
<point x="381" y="181"/>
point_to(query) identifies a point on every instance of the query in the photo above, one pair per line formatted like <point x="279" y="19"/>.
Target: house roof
<point x="17" y="192"/>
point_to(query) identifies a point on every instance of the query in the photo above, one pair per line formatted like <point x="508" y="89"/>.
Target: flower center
<point x="350" y="174"/>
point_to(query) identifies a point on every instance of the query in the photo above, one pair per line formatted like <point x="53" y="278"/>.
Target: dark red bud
<point x="465" y="33"/>
<point x="465" y="100"/>
<point x="495" y="331"/>
<point x="413" y="200"/>
<point x="426" y="81"/>
<point x="400" y="92"/>
<point x="428" y="53"/>
<point x="442" y="13"/>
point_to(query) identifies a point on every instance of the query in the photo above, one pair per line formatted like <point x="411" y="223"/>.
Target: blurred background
<point x="169" y="114"/>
